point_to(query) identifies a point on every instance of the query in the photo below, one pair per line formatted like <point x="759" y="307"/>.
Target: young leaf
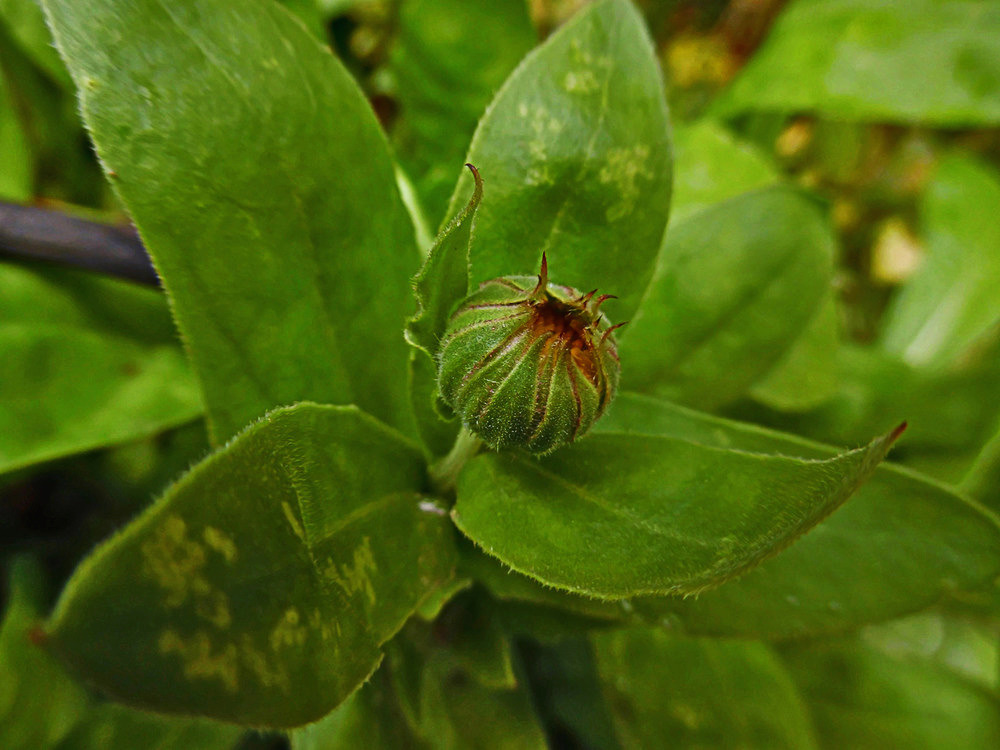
<point x="903" y="543"/>
<point x="952" y="300"/>
<point x="87" y="362"/>
<point x="444" y="278"/>
<point x="836" y="56"/>
<point x="442" y="282"/>
<point x="446" y="69"/>
<point x="259" y="588"/>
<point x="263" y="188"/>
<point x="666" y="691"/>
<point x="575" y="150"/>
<point x="620" y="515"/>
<point x="726" y="303"/>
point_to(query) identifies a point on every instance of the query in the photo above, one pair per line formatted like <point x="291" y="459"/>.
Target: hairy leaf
<point x="260" y="587"/>
<point x="619" y="515"/>
<point x="263" y="188"/>
<point x="575" y="154"/>
<point x="87" y="362"/>
<point x="901" y="544"/>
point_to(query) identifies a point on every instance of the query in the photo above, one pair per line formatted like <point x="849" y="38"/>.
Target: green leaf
<point x="39" y="703"/>
<point x="575" y="153"/>
<point x="113" y="726"/>
<point x="438" y="675"/>
<point x="442" y="282"/>
<point x="509" y="586"/>
<point x="922" y="61"/>
<point x="903" y="543"/>
<point x="88" y="362"/>
<point x="951" y="413"/>
<point x="42" y="708"/>
<point x="18" y="165"/>
<point x="952" y="300"/>
<point x="25" y="23"/>
<point x="711" y="166"/>
<point x="263" y="188"/>
<point x="444" y="278"/>
<point x="982" y="481"/>
<point x="369" y="719"/>
<point x="446" y="70"/>
<point x="666" y="691"/>
<point x="726" y="303"/>
<point x="457" y="712"/>
<point x="620" y="515"/>
<point x="863" y="698"/>
<point x="260" y="587"/>
<point x="807" y="374"/>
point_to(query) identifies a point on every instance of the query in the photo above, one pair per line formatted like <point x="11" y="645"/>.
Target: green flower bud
<point x="528" y="363"/>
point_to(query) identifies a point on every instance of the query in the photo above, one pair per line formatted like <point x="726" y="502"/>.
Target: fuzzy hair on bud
<point x="526" y="363"/>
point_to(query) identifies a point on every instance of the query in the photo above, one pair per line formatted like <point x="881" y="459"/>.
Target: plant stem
<point x="444" y="473"/>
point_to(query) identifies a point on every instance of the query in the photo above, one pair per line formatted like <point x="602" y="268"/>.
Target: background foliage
<point x="830" y="170"/>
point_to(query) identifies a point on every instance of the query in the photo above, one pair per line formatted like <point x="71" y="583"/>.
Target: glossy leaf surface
<point x="902" y="543"/>
<point x="734" y="287"/>
<point x="275" y="568"/>
<point x="87" y="362"/>
<point x="930" y="61"/>
<point x="575" y="154"/>
<point x="620" y="515"/>
<point x="263" y="188"/>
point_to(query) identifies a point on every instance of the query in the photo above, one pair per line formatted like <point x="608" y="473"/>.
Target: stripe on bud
<point x="528" y="363"/>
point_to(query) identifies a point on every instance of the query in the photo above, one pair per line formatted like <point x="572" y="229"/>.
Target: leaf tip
<point x="894" y="435"/>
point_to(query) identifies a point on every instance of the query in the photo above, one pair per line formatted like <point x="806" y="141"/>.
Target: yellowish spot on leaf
<point x="220" y="542"/>
<point x="622" y="171"/>
<point x="289" y="631"/>
<point x="581" y="82"/>
<point x="200" y="660"/>
<point x="355" y="577"/>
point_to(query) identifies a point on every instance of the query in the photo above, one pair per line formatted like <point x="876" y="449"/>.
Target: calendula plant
<point x="450" y="500"/>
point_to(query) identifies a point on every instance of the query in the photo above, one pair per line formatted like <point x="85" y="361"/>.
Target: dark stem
<point x="38" y="234"/>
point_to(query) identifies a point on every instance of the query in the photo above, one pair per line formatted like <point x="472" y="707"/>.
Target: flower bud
<point x="528" y="363"/>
